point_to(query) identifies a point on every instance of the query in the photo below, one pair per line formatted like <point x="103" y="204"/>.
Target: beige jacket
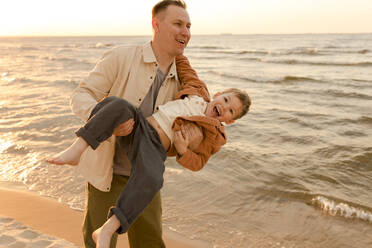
<point x="126" y="72"/>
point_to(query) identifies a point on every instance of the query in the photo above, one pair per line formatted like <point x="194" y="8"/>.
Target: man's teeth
<point x="181" y="41"/>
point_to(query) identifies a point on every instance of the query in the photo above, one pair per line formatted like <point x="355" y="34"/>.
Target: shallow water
<point x="296" y="171"/>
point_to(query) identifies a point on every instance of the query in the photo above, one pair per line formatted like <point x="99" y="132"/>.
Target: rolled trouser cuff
<point x="124" y="225"/>
<point x="83" y="133"/>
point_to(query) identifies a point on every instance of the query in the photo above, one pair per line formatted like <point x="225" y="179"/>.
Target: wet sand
<point x="27" y="217"/>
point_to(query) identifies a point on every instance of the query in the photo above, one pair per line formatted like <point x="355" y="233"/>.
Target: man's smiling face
<point x="174" y="29"/>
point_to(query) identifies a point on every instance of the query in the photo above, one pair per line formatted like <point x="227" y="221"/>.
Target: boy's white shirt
<point x="126" y="72"/>
<point x="167" y="113"/>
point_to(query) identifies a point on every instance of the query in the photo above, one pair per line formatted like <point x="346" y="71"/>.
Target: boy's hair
<point x="162" y="5"/>
<point x="244" y="99"/>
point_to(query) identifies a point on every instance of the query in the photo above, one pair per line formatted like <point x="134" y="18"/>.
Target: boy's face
<point x="225" y="107"/>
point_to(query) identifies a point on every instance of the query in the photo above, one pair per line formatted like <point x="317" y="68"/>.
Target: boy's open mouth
<point x="215" y="109"/>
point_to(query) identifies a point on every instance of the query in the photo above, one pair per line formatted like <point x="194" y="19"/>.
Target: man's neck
<point x="164" y="59"/>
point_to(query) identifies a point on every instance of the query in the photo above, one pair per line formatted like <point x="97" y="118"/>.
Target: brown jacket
<point x="214" y="136"/>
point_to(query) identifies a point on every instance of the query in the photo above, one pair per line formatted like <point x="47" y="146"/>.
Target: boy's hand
<point x="181" y="141"/>
<point x="124" y="128"/>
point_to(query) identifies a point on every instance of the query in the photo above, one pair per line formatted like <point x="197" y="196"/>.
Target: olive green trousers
<point x="145" y="232"/>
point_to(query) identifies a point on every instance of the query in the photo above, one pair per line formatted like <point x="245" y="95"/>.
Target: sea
<point x="296" y="170"/>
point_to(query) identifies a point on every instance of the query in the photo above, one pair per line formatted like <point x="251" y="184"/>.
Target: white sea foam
<point x="341" y="209"/>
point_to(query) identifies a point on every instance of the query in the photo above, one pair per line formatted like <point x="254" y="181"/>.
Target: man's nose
<point x="185" y="31"/>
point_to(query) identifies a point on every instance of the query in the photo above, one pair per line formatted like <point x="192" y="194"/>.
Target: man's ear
<point x="155" y="24"/>
<point x="230" y="122"/>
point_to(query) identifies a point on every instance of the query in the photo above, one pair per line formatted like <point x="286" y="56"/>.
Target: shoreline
<point x="49" y="217"/>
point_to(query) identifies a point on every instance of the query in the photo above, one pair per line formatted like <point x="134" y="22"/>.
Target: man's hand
<point x="181" y="141"/>
<point x="124" y="128"/>
<point x="190" y="136"/>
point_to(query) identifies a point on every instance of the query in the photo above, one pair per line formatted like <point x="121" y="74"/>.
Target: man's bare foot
<point x="101" y="238"/>
<point x="71" y="155"/>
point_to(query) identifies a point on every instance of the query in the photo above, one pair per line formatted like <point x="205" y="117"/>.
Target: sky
<point x="133" y="17"/>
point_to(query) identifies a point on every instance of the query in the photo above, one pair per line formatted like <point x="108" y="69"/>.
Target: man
<point x="146" y="77"/>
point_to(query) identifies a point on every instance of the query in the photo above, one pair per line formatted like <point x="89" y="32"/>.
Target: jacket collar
<point x="149" y="57"/>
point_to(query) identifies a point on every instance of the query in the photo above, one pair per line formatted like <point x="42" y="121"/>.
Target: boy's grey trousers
<point x="144" y="150"/>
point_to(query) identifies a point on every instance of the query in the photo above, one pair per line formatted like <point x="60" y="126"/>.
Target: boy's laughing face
<point x="225" y="107"/>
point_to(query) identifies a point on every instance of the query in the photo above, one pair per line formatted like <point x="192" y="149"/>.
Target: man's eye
<point x="231" y="111"/>
<point x="225" y="99"/>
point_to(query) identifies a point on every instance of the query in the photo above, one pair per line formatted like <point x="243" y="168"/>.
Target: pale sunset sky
<point x="133" y="17"/>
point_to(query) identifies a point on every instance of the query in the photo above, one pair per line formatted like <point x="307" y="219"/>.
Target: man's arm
<point x="96" y="86"/>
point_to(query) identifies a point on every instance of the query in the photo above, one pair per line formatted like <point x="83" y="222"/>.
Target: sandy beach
<point x="30" y="220"/>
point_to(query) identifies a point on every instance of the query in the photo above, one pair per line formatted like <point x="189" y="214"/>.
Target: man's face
<point x="225" y="107"/>
<point x="173" y="29"/>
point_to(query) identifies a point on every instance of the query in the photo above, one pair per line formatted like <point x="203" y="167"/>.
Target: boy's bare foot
<point x="101" y="239"/>
<point x="71" y="155"/>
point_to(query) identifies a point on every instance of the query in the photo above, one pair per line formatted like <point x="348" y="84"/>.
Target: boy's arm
<point x="194" y="161"/>
<point x="190" y="82"/>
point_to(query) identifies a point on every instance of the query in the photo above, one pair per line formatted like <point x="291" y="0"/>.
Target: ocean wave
<point x="353" y="133"/>
<point x="298" y="78"/>
<point x="361" y="80"/>
<point x="340" y="93"/>
<point x="307" y="51"/>
<point x="252" y="52"/>
<point x="363" y="158"/>
<point x="28" y="48"/>
<point x="298" y="51"/>
<point x="362" y="120"/>
<point x="303" y="123"/>
<point x="14" y="80"/>
<point x="72" y="45"/>
<point x="339" y="208"/>
<point x="100" y="45"/>
<point x="317" y="63"/>
<point x="206" y="47"/>
<point x="233" y="76"/>
<point x="364" y="51"/>
<point x="365" y="120"/>
<point x="15" y="149"/>
<point x="285" y="79"/>
<point x="359" y="51"/>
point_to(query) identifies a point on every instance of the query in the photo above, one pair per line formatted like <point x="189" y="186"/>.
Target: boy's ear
<point x="230" y="122"/>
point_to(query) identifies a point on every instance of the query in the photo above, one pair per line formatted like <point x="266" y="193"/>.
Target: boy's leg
<point x="147" y="156"/>
<point x="105" y="117"/>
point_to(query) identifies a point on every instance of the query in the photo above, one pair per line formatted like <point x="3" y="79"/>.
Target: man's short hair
<point x="162" y="5"/>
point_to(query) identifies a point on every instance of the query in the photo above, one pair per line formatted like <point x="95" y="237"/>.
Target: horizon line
<point x="144" y="35"/>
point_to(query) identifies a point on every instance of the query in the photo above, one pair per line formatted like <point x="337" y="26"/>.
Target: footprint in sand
<point x="14" y="234"/>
